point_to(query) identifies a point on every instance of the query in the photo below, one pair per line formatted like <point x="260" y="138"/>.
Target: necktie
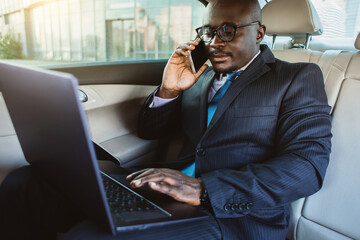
<point x="190" y="170"/>
<point x="219" y="94"/>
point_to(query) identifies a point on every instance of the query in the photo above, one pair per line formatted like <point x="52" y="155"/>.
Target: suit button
<point x="233" y="207"/>
<point x="249" y="206"/>
<point x="200" y="152"/>
<point x="227" y="207"/>
<point x="242" y="206"/>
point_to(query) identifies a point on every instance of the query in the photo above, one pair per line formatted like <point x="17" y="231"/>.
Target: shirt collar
<point x="244" y="67"/>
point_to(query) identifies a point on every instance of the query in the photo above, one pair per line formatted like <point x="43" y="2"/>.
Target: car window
<point x="340" y="18"/>
<point x="74" y="31"/>
<point x="341" y="23"/>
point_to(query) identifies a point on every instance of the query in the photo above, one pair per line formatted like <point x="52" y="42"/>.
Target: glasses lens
<point x="206" y="33"/>
<point x="226" y="32"/>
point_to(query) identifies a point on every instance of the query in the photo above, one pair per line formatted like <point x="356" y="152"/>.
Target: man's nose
<point x="216" y="42"/>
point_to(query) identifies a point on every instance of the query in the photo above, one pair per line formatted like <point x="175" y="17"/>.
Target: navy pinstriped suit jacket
<point x="267" y="145"/>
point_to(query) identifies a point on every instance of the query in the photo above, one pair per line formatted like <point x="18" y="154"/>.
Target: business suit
<point x="267" y="144"/>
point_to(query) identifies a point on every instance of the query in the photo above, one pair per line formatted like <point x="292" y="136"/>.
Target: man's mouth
<point x="219" y="57"/>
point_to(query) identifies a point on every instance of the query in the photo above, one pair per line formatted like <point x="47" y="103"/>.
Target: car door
<point x="116" y="49"/>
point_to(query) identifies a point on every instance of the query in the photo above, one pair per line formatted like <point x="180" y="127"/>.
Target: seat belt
<point x="333" y="64"/>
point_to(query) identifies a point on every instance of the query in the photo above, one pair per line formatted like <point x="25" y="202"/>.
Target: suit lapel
<point x="194" y="107"/>
<point x="204" y="99"/>
<point x="252" y="73"/>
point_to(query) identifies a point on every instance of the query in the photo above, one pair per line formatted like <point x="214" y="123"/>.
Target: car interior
<point x="113" y="94"/>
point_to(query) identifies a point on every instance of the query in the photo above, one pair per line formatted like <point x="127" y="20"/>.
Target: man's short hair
<point x="253" y="6"/>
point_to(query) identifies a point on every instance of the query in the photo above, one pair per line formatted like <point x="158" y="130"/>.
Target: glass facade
<point x="340" y="18"/>
<point x="100" y="30"/>
<point x="114" y="30"/>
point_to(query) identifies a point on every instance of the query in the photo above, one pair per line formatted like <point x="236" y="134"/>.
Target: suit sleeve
<point x="303" y="144"/>
<point x="156" y="122"/>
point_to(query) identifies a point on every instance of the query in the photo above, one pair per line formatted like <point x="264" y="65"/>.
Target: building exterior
<point x="112" y="30"/>
<point x="340" y="18"/>
<point x="100" y="30"/>
<point x="353" y="17"/>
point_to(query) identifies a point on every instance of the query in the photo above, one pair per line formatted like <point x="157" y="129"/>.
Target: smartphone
<point x="198" y="57"/>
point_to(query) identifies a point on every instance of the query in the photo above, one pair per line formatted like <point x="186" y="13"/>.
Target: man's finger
<point x="164" y="188"/>
<point x="159" y="177"/>
<point x="196" y="41"/>
<point x="135" y="174"/>
<point x="185" y="47"/>
<point x="182" y="52"/>
<point x="135" y="179"/>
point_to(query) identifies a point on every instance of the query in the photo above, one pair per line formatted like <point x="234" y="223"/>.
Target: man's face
<point x="229" y="56"/>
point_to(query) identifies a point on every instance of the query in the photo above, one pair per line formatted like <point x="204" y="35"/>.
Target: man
<point x="266" y="145"/>
<point x="258" y="138"/>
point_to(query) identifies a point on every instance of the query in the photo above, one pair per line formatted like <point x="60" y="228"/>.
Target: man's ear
<point x="260" y="34"/>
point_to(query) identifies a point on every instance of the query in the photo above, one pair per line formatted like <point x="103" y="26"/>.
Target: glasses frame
<point x="216" y="31"/>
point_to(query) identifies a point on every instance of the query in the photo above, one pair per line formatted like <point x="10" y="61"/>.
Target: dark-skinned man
<point x="257" y="135"/>
<point x="268" y="142"/>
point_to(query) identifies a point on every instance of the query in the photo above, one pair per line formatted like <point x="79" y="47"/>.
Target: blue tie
<point x="219" y="94"/>
<point x="190" y="170"/>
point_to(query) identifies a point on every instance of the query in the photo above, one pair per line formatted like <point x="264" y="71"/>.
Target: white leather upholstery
<point x="112" y="112"/>
<point x="332" y="213"/>
<point x="336" y="206"/>
<point x="336" y="66"/>
<point x="298" y="55"/>
<point x="309" y="230"/>
<point x="10" y="151"/>
<point x="111" y="109"/>
<point x="291" y="18"/>
<point x="6" y="127"/>
<point x="357" y="42"/>
<point x="333" y="65"/>
<point x="295" y="216"/>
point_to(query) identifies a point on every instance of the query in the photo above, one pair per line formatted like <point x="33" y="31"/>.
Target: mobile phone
<point x="198" y="57"/>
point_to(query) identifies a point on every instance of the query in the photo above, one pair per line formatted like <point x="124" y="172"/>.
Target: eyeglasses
<point x="226" y="32"/>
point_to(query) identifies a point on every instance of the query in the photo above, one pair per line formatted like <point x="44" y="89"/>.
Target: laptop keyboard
<point x="126" y="206"/>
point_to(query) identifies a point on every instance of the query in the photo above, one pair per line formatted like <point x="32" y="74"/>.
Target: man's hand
<point x="178" y="75"/>
<point x="170" y="182"/>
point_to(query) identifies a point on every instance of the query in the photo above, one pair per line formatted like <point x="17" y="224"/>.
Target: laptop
<point x="51" y="126"/>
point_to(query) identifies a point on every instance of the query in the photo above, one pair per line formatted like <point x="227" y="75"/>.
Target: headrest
<point x="291" y="18"/>
<point x="357" y="42"/>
